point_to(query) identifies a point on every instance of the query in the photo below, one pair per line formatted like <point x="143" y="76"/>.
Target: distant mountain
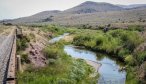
<point x="46" y="13"/>
<point x="91" y="7"/>
<point x="87" y="13"/>
<point x="39" y="17"/>
<point x="140" y="7"/>
<point x="132" y="6"/>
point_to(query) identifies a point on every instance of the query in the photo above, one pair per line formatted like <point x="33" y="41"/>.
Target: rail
<point x="5" y="53"/>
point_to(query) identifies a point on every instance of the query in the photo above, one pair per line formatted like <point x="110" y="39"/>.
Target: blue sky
<point x="10" y="9"/>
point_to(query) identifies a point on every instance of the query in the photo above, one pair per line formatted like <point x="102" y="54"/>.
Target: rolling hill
<point x="91" y="7"/>
<point x="132" y="6"/>
<point x="39" y="17"/>
<point x="88" y="13"/>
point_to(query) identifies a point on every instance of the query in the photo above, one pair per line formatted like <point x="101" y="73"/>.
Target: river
<point x="56" y="39"/>
<point x="109" y="70"/>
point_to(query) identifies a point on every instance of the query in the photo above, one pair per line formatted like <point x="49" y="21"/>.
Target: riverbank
<point x="95" y="65"/>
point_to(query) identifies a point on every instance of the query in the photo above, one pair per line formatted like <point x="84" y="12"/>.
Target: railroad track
<point x="6" y="48"/>
<point x="2" y="38"/>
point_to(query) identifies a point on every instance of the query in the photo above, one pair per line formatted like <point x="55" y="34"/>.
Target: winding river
<point x="109" y="70"/>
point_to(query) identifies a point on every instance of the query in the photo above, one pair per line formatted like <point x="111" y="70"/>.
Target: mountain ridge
<point x="85" y="13"/>
<point x="132" y="6"/>
<point x="91" y="7"/>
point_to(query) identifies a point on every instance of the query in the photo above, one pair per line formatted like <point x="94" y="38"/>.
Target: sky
<point x="10" y="9"/>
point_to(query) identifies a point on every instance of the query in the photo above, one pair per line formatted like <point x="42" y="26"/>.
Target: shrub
<point x="129" y="39"/>
<point x="31" y="37"/>
<point x="22" y="43"/>
<point x="79" y="70"/>
<point x="56" y="30"/>
<point x="141" y="56"/>
<point x="80" y="40"/>
<point x="132" y="40"/>
<point x="50" y="52"/>
<point x="129" y="59"/>
<point x="122" y="52"/>
<point x="24" y="58"/>
<point x="136" y="28"/>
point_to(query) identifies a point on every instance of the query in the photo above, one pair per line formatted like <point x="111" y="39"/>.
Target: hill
<point x="39" y="17"/>
<point x="132" y="6"/>
<point x="88" y="13"/>
<point x="91" y="7"/>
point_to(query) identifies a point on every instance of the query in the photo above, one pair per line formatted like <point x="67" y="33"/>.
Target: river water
<point x="109" y="70"/>
<point x="56" y="39"/>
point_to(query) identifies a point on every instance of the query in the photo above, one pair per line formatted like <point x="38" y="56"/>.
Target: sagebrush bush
<point x="24" y="58"/>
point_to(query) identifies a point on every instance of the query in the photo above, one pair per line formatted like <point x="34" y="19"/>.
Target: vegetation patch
<point x="63" y="70"/>
<point x="120" y="43"/>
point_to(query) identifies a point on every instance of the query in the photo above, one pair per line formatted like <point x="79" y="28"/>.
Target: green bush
<point x="22" y="43"/>
<point x="131" y="76"/>
<point x="49" y="52"/>
<point x="136" y="28"/>
<point x="141" y="56"/>
<point x="56" y="30"/>
<point x="122" y="52"/>
<point x="129" y="59"/>
<point x="24" y="58"/>
<point x="79" y="70"/>
<point x="129" y="39"/>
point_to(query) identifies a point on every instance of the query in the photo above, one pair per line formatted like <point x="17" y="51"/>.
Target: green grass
<point x="131" y="76"/>
<point x="22" y="44"/>
<point x="63" y="70"/>
<point x="56" y="30"/>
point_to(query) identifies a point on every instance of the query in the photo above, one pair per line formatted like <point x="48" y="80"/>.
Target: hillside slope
<point x="132" y="6"/>
<point x="87" y="13"/>
<point x="39" y="17"/>
<point x="90" y="7"/>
